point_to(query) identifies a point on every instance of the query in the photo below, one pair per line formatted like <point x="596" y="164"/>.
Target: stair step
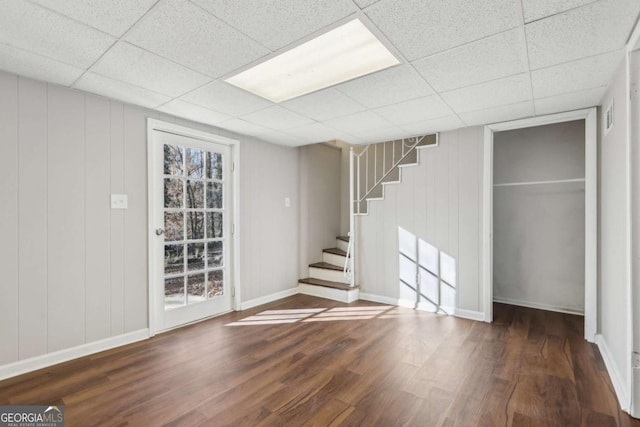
<point x="343" y="238"/>
<point x="335" y="251"/>
<point x="325" y="283"/>
<point x="326" y="266"/>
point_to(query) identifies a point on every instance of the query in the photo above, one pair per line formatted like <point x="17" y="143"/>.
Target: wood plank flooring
<point x="384" y="367"/>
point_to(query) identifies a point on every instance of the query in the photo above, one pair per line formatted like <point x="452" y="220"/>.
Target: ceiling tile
<point x="365" y="3"/>
<point x="323" y="105"/>
<point x="434" y="125"/>
<point x="570" y="101"/>
<point x="487" y="59"/>
<point x="40" y="31"/>
<point x="498" y="114"/>
<point x="184" y="33"/>
<point x="596" y="28"/>
<point x="415" y="110"/>
<point x="315" y="132"/>
<point x="95" y="83"/>
<point x="113" y="16"/>
<point x="193" y="112"/>
<point x="276" y="118"/>
<point x="420" y="28"/>
<point x="382" y="135"/>
<point x="39" y="67"/>
<point x="509" y="90"/>
<point x="386" y="87"/>
<point x="537" y="9"/>
<point x="359" y="122"/>
<point x="227" y="99"/>
<point x="280" y="138"/>
<point x="293" y="19"/>
<point x="594" y="71"/>
<point x="138" y="67"/>
<point x="244" y="127"/>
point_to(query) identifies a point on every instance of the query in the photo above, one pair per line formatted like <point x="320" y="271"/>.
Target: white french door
<point x="191" y="229"/>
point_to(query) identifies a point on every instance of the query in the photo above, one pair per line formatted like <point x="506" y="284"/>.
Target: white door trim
<point x="234" y="145"/>
<point x="591" y="210"/>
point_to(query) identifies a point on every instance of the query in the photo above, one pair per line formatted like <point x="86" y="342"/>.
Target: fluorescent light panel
<point x="341" y="54"/>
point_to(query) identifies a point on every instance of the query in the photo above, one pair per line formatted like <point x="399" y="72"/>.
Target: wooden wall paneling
<point x="9" y="218"/>
<point x="32" y="196"/>
<point x="116" y="218"/>
<point x="135" y="219"/>
<point x="66" y="216"/>
<point x="97" y="213"/>
<point x="468" y="216"/>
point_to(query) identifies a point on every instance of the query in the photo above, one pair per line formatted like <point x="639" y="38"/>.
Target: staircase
<point x="371" y="169"/>
<point x="327" y="278"/>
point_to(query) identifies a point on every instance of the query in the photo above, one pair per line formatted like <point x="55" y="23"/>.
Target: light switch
<point x="287" y="202"/>
<point x="119" y="201"/>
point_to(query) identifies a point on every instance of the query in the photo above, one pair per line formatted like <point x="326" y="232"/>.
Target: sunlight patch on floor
<point x="274" y="317"/>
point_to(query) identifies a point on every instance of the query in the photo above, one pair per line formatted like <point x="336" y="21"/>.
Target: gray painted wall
<point x="75" y="271"/>
<point x="613" y="231"/>
<point x="438" y="201"/>
<point x="539" y="230"/>
<point x="320" y="192"/>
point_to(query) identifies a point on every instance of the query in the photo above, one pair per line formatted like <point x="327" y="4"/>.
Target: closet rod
<point x="559" y="181"/>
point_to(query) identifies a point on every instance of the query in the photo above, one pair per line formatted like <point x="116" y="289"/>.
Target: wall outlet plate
<point x="119" y="201"/>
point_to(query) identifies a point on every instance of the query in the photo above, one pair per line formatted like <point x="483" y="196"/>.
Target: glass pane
<point x="215" y="283"/>
<point x="173" y="160"/>
<point x="195" y="163"/>
<point x="173" y="226"/>
<point x="214" y="225"/>
<point x="173" y="193"/>
<point x="196" y="290"/>
<point x="195" y="194"/>
<point x="195" y="256"/>
<point x="195" y="225"/>
<point x="173" y="292"/>
<point x="214" y="163"/>
<point x="173" y="259"/>
<point x="214" y="195"/>
<point x="214" y="254"/>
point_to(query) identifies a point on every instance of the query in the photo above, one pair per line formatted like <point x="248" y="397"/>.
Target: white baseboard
<point x="614" y="373"/>
<point x="537" y="305"/>
<point x="34" y="363"/>
<point x="329" y="293"/>
<point x="379" y="299"/>
<point x="268" y="298"/>
<point x="469" y="314"/>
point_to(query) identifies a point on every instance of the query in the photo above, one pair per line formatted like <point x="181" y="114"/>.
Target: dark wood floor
<point x="385" y="367"/>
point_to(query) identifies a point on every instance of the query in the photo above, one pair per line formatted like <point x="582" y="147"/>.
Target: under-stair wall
<point x="438" y="201"/>
<point x="320" y="186"/>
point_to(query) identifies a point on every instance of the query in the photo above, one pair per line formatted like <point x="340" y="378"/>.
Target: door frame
<point x="234" y="145"/>
<point x="590" y="116"/>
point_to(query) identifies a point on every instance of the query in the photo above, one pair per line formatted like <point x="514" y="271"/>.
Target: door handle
<point x="159" y="231"/>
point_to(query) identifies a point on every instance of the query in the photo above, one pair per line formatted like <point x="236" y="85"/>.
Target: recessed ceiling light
<point x="341" y="54"/>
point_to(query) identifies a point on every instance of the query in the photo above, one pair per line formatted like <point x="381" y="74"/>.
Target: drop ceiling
<point x="464" y="62"/>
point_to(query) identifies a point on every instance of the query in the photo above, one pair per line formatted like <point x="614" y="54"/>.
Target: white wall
<point x="440" y="202"/>
<point x="634" y="69"/>
<point x="320" y="199"/>
<point x="75" y="271"/>
<point x="539" y="230"/>
<point x="613" y="233"/>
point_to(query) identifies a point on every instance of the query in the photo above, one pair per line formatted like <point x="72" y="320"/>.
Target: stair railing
<point x="364" y="161"/>
<point x="367" y="161"/>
